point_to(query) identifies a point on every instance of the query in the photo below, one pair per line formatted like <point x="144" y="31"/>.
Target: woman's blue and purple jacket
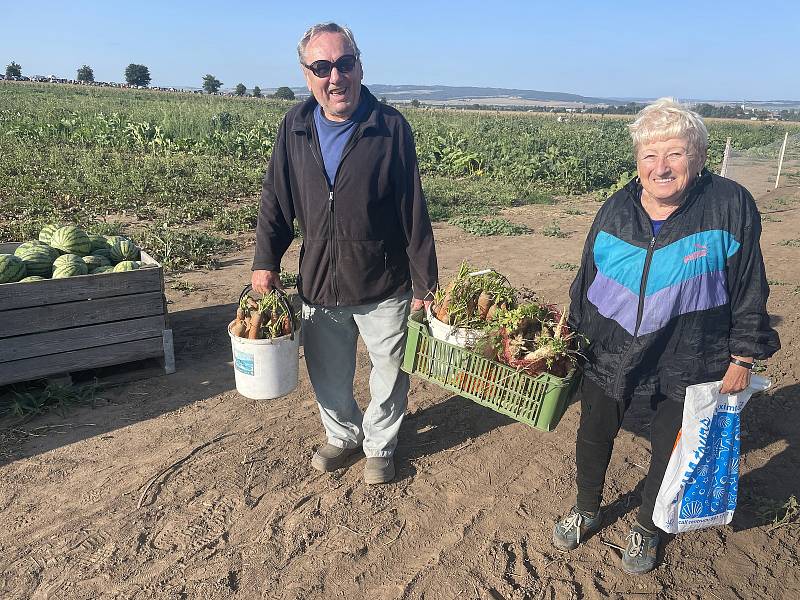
<point x="666" y="311"/>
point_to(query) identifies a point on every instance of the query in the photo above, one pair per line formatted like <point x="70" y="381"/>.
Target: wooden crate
<point x="59" y="326"/>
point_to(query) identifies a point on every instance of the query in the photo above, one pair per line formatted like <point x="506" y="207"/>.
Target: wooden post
<point x="168" y="361"/>
<point x="724" y="169"/>
<point x="780" y="160"/>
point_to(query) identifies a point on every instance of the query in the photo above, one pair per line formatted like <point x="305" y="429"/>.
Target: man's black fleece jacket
<point x="369" y="236"/>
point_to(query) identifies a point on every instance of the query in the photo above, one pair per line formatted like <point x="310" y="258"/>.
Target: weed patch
<point x="554" y="230"/>
<point x="565" y="266"/>
<point x="189" y="249"/>
<point x="37" y="398"/>
<point x="486" y="227"/>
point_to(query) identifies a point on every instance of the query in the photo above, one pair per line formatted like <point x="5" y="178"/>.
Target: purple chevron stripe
<point x="614" y="301"/>
<point x="698" y="293"/>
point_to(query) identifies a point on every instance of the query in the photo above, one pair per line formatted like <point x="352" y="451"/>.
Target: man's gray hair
<point x="667" y="118"/>
<point x="319" y="28"/>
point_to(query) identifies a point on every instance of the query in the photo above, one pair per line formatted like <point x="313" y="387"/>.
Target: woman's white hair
<point x="666" y="118"/>
<point x="319" y="28"/>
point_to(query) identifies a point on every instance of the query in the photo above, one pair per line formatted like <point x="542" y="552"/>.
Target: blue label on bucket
<point x="243" y="362"/>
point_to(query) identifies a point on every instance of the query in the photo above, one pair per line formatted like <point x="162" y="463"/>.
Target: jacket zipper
<point x="331" y="205"/>
<point x="332" y="239"/>
<point x="640" y="309"/>
<point x="645" y="274"/>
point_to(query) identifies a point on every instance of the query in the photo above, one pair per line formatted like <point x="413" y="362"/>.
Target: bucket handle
<point x="283" y="298"/>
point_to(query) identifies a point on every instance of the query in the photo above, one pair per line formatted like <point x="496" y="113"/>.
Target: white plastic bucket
<point x="458" y="336"/>
<point x="265" y="368"/>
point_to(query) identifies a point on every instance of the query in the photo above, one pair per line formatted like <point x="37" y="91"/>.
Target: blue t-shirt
<point x="333" y="137"/>
<point x="657" y="225"/>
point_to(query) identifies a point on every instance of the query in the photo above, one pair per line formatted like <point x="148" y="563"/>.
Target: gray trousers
<point x="329" y="342"/>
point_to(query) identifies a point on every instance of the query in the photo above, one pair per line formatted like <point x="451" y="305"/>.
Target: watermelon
<point x="124" y="250"/>
<point x="70" y="269"/>
<point x="46" y="234"/>
<point x="105" y="253"/>
<point x="94" y="261"/>
<point x="37" y="257"/>
<point x="98" y="241"/>
<point x="25" y="246"/>
<point x="32" y="278"/>
<point x="72" y="240"/>
<point x="99" y="270"/>
<point x="127" y="265"/>
<point x="69" y="259"/>
<point x="12" y="268"/>
<point x="111" y="239"/>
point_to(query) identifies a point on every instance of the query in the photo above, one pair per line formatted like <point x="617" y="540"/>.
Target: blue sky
<point x="701" y="50"/>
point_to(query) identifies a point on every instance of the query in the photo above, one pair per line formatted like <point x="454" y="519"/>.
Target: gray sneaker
<point x="331" y="458"/>
<point x="379" y="470"/>
<point x="576" y="527"/>
<point x="641" y="555"/>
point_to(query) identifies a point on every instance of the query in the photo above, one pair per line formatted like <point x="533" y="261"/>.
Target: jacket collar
<point x="303" y="121"/>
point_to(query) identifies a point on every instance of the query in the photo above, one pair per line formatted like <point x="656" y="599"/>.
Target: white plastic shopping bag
<point x="700" y="485"/>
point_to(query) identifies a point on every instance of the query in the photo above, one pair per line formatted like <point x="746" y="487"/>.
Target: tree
<point x="211" y="84"/>
<point x="256" y="92"/>
<point x="415" y="103"/>
<point x="284" y="93"/>
<point x="240" y="89"/>
<point x="85" y="73"/>
<point x="137" y="75"/>
<point x="384" y="100"/>
<point x="13" y="70"/>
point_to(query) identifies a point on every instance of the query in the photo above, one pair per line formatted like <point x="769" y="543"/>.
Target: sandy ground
<point x="234" y="509"/>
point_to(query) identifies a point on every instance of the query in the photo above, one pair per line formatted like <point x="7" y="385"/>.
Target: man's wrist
<point x="742" y="363"/>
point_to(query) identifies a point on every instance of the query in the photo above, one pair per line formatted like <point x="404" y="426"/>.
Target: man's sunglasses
<point x="323" y="68"/>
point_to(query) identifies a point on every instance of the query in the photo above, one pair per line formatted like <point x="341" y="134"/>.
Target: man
<point x="345" y="166"/>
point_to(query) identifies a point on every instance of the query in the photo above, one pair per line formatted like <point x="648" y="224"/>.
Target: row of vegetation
<point x="165" y="163"/>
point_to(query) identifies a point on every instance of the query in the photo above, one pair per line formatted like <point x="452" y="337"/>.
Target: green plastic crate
<point x="537" y="401"/>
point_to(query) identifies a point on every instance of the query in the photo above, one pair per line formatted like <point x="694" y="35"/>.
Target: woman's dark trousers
<point x="601" y="417"/>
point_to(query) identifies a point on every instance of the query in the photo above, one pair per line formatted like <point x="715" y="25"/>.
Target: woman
<point x="671" y="292"/>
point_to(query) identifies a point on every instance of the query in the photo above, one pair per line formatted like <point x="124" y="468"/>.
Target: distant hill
<point x="462" y="95"/>
<point x="440" y="93"/>
<point x="444" y="93"/>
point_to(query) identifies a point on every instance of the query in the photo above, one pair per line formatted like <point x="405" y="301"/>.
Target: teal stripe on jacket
<point x="689" y="257"/>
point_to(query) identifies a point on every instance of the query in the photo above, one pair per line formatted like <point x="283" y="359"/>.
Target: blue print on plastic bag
<point x="712" y="482"/>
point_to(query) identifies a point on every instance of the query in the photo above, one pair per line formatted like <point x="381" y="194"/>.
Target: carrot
<point x="286" y="328"/>
<point x="443" y="312"/>
<point x="491" y="312"/>
<point x="255" y="325"/>
<point x="239" y="328"/>
<point x="240" y="314"/>
<point x="485" y="302"/>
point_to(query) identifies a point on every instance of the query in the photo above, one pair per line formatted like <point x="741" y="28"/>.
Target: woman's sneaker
<point x="575" y="528"/>
<point x="641" y="555"/>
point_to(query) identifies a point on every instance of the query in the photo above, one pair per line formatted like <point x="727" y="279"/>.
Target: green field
<point x="184" y="170"/>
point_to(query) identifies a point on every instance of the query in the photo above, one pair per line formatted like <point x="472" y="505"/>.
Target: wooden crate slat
<point x="76" y="314"/>
<point x="9" y="247"/>
<point x="89" y="336"/>
<point x="79" y="360"/>
<point x="50" y="292"/>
